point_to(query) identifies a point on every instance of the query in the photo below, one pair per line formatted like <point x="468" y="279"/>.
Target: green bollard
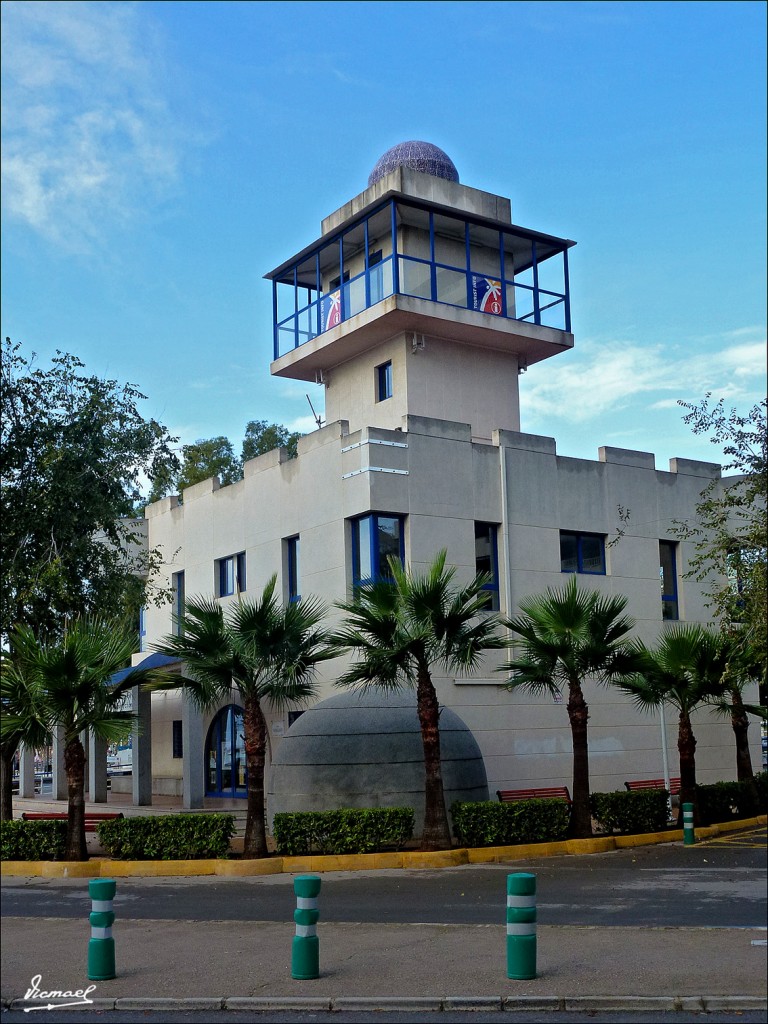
<point x="521" y="926"/>
<point x="305" y="955"/>
<point x="689" y="834"/>
<point x="101" y="948"/>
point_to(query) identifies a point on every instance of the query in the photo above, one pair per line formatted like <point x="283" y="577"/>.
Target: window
<point x="668" y="579"/>
<point x="231" y="575"/>
<point x="178" y="742"/>
<point x="487" y="560"/>
<point x="292" y="552"/>
<point x="384" y="381"/>
<point x="142" y="628"/>
<point x="582" y="552"/>
<point x="374" y="538"/>
<point x="226" y="773"/>
<point x="179" y="600"/>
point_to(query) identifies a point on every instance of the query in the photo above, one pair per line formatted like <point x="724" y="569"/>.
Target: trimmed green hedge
<point x="643" y="810"/>
<point x="168" y="837"/>
<point x="491" y="823"/>
<point x="726" y="801"/>
<point x="761" y="784"/>
<point x="32" y="840"/>
<point x="347" y="830"/>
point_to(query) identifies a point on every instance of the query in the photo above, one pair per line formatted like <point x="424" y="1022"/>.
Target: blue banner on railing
<point x="330" y="311"/>
<point x="486" y="295"/>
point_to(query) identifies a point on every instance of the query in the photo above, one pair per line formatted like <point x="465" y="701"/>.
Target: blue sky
<point x="160" y="157"/>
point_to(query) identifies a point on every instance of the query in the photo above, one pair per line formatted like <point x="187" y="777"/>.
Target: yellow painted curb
<point x="158" y="868"/>
<point x="646" y="839"/>
<point x="499" y="854"/>
<point x="707" y="832"/>
<point x="240" y="868"/>
<point x="435" y="859"/>
<point x="601" y="844"/>
<point x="734" y="826"/>
<point x="388" y="860"/>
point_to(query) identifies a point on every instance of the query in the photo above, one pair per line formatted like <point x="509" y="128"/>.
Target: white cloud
<point x="88" y="137"/>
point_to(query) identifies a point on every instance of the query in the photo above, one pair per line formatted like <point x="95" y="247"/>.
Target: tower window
<point x="384" y="381"/>
<point x="292" y="555"/>
<point x="487" y="561"/>
<point x="668" y="579"/>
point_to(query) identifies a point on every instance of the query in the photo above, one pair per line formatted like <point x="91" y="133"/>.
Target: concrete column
<point x="97" y="769"/>
<point x="193" y="765"/>
<point x="26" y="772"/>
<point x="59" y="788"/>
<point x="141" y="744"/>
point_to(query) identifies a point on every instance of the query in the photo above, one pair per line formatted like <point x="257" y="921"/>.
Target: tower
<point x="421" y="298"/>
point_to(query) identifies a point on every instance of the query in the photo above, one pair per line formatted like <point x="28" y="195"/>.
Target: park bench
<point x="92" y="818"/>
<point x="635" y="784"/>
<point x="508" y="796"/>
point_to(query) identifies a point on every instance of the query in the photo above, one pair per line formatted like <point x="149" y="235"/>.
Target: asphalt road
<point x="721" y="883"/>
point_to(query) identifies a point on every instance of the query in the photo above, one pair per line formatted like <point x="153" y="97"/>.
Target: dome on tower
<point x="419" y="156"/>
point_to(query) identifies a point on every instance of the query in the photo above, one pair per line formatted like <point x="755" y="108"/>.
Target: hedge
<point x="491" y="823"/>
<point x="633" y="813"/>
<point x="725" y="801"/>
<point x="168" y="836"/>
<point x="347" y="830"/>
<point x="32" y="840"/>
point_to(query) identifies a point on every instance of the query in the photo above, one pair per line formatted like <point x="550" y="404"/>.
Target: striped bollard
<point x="101" y="948"/>
<point x="521" y="926"/>
<point x="305" y="954"/>
<point x="689" y="835"/>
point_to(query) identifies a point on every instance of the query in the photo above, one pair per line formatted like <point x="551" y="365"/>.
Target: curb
<point x="102" y="867"/>
<point x="414" y="1004"/>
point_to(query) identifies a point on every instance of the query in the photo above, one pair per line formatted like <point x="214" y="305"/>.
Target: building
<point x="416" y="309"/>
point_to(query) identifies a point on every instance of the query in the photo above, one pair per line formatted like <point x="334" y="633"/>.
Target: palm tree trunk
<point x="7" y="750"/>
<point x="255" y="843"/>
<point x="74" y="766"/>
<point x="686" y="746"/>
<point x="740" y="724"/>
<point x="580" y="826"/>
<point x="436" y="834"/>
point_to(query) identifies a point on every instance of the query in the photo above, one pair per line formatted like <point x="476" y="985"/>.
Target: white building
<point x="417" y="309"/>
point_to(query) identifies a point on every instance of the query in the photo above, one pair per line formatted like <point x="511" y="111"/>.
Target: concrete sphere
<point x="419" y="156"/>
<point x="364" y="750"/>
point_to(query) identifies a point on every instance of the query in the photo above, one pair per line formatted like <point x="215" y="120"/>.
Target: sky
<point x="160" y="157"/>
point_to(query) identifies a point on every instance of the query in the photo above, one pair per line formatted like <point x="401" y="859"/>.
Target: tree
<point x="67" y="684"/>
<point x="75" y="453"/>
<point x="17" y="692"/>
<point x="401" y="629"/>
<point x="566" y="637"/>
<point x="687" y="669"/>
<point x="265" y="651"/>
<point x="262" y="437"/>
<point x="731" y="530"/>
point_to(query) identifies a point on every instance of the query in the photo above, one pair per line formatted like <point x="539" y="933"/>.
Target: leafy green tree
<point x="67" y="684"/>
<point x="401" y="629"/>
<point x="264" y="651"/>
<point x="688" y="669"/>
<point x="730" y="532"/>
<point x="566" y="637"/>
<point x="205" y="458"/>
<point x="75" y="454"/>
<point x="262" y="437"/>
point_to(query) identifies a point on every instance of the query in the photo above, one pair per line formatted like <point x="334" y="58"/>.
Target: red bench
<point x="92" y="818"/>
<point x="674" y="785"/>
<point x="508" y="796"/>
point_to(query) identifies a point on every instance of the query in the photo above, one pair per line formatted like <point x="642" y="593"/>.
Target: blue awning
<point x="151" y="661"/>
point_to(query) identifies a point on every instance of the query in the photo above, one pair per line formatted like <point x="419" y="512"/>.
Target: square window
<point x="374" y="539"/>
<point x="384" y="381"/>
<point x="231" y="575"/>
<point x="582" y="552"/>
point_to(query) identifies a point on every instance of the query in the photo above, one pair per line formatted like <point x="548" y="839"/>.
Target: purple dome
<point x="419" y="156"/>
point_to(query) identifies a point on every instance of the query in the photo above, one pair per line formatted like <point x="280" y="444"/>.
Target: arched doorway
<point x="225" y="771"/>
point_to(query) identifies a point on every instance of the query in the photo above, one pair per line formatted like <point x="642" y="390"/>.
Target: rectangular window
<point x="374" y="538"/>
<point x="178" y="742"/>
<point x="179" y="600"/>
<point x="142" y="628"/>
<point x="384" y="381"/>
<point x="582" y="552"/>
<point x="487" y="561"/>
<point x="231" y="575"/>
<point x="293" y="554"/>
<point x="668" y="579"/>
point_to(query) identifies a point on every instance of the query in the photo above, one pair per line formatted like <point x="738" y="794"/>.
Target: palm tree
<point x="66" y="684"/>
<point x="687" y="669"/>
<point x="744" y="668"/>
<point x="567" y="636"/>
<point x="266" y="651"/>
<point x="17" y="693"/>
<point x="402" y="627"/>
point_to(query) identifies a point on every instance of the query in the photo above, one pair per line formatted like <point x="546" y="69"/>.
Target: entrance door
<point x="226" y="774"/>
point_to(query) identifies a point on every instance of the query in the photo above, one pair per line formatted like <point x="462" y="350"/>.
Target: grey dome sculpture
<point x="419" y="156"/>
<point x="364" y="750"/>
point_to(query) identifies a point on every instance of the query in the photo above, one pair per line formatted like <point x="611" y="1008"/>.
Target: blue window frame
<point x="142" y="628"/>
<point x="178" y="738"/>
<point x="668" y="579"/>
<point x="582" y="552"/>
<point x="374" y="538"/>
<point x="231" y="575"/>
<point x="179" y="601"/>
<point x="226" y="774"/>
<point x="487" y="561"/>
<point x="384" y="381"/>
<point x="293" y="559"/>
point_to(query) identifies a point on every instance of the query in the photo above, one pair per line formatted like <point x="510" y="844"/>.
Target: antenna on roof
<point x="318" y="419"/>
